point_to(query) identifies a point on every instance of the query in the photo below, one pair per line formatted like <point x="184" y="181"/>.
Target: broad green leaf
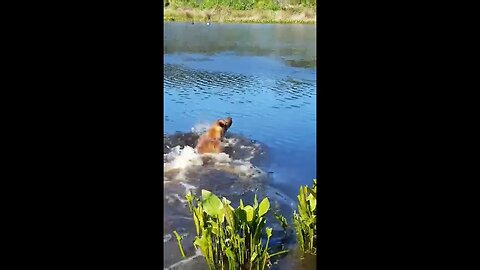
<point x="241" y="215"/>
<point x="203" y="243"/>
<point x="211" y="203"/>
<point x="214" y="227"/>
<point x="228" y="210"/>
<point x="249" y="211"/>
<point x="205" y="194"/>
<point x="269" y="231"/>
<point x="225" y="201"/>
<point x="264" y="206"/>
<point x="302" y="204"/>
<point x="312" y="201"/>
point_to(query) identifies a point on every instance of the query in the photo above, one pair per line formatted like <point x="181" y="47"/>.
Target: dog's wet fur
<point x="211" y="141"/>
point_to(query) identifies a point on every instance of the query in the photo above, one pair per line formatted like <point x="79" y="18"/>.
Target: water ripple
<point x="233" y="88"/>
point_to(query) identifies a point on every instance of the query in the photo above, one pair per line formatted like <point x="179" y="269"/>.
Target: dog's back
<point x="210" y="142"/>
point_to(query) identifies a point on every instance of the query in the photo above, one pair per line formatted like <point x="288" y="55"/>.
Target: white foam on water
<point x="246" y="170"/>
<point x="183" y="160"/>
<point x="166" y="238"/>
<point x="180" y="160"/>
<point x="201" y="128"/>
<point x="230" y="141"/>
<point x="173" y="197"/>
<point x="217" y="159"/>
<point x="187" y="187"/>
<point x="169" y="198"/>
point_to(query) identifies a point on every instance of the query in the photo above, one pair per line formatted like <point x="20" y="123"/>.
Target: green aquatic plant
<point x="282" y="220"/>
<point x="305" y="220"/>
<point x="231" y="238"/>
<point x="179" y="239"/>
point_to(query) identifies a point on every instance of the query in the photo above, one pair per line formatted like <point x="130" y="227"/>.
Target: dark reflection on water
<point x="264" y="77"/>
<point x="294" y="44"/>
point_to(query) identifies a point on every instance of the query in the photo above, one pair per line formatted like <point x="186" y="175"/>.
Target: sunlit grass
<point x="303" y="15"/>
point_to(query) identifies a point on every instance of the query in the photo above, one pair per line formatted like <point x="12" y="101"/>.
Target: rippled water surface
<point x="264" y="77"/>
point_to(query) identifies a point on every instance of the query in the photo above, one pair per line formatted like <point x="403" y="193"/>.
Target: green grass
<point x="240" y="4"/>
<point x="306" y="15"/>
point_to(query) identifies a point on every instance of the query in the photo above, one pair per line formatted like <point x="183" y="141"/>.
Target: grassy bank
<point x="254" y="14"/>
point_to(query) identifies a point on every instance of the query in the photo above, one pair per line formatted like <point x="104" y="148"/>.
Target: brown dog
<point x="210" y="142"/>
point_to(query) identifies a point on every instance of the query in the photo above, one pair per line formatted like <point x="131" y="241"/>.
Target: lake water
<point x="264" y="77"/>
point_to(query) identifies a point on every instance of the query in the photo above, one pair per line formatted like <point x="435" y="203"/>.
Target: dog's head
<point x="220" y="126"/>
<point x="225" y="123"/>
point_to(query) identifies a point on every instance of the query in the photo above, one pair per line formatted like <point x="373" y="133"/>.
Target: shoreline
<point x="296" y="15"/>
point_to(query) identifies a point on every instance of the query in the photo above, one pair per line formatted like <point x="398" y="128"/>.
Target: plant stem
<point x="179" y="243"/>
<point x="278" y="253"/>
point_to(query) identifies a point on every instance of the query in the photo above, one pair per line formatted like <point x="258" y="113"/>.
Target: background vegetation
<point x="256" y="11"/>
<point x="240" y="4"/>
